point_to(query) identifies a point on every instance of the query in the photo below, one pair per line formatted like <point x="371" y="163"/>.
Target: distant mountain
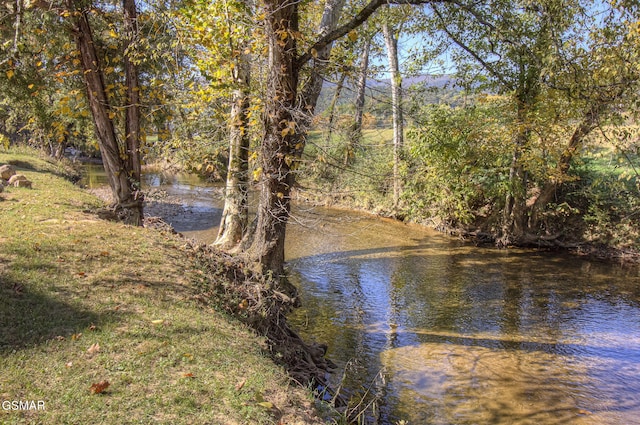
<point x="438" y="89"/>
<point x="437" y="81"/>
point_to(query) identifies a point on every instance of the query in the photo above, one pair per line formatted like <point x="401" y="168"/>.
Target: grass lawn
<point x="85" y="302"/>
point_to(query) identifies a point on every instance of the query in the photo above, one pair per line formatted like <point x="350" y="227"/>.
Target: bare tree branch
<point x="354" y="23"/>
<point x="486" y="65"/>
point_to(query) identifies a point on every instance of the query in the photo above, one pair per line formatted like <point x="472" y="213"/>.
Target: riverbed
<point x="434" y="331"/>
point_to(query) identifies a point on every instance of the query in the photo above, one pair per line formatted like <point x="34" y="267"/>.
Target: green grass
<point x="84" y="301"/>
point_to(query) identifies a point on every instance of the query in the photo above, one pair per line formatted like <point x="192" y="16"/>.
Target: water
<point x="445" y="333"/>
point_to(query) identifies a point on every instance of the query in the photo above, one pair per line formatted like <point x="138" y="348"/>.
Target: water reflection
<point x="200" y="203"/>
<point x="468" y="335"/>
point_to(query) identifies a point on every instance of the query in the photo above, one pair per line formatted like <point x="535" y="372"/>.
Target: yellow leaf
<point x="256" y="174"/>
<point x="266" y="404"/>
<point x="314" y="53"/>
<point x="353" y="36"/>
<point x="280" y="195"/>
<point x="10" y="74"/>
<point x="157" y="322"/>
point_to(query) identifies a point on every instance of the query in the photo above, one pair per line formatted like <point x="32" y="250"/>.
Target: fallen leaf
<point x="187" y="375"/>
<point x="75" y="337"/>
<point x="104" y="254"/>
<point x="157" y="322"/>
<point x="69" y="364"/>
<point x="93" y="327"/>
<point x="266" y="404"/>
<point x="240" y="384"/>
<point x="99" y="387"/>
<point x="94" y="348"/>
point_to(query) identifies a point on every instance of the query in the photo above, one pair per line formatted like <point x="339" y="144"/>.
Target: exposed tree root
<point x="553" y="242"/>
<point x="262" y="302"/>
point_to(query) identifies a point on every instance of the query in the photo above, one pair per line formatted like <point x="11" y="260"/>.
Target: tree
<point x="121" y="163"/>
<point x="41" y="103"/>
<point x="235" y="215"/>
<point x="355" y="133"/>
<point x="283" y="114"/>
<point x="391" y="42"/>
<point x="541" y="55"/>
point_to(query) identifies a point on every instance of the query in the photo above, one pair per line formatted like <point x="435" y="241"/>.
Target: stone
<point x="19" y="180"/>
<point x="22" y="183"/>
<point x="6" y="171"/>
<point x="17" y="177"/>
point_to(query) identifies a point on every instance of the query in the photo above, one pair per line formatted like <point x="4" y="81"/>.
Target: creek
<point x="440" y="332"/>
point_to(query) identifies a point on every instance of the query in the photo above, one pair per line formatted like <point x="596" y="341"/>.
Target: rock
<point x="19" y="180"/>
<point x="22" y="183"/>
<point x="17" y="177"/>
<point x="6" y="171"/>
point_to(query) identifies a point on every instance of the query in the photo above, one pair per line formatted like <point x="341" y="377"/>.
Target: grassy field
<point x="102" y="323"/>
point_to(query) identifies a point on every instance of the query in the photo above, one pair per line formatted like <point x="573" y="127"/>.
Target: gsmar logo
<point x="23" y="405"/>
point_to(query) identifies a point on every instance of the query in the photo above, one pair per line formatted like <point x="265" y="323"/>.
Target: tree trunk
<point x="278" y="141"/>
<point x="588" y="124"/>
<point x="233" y="223"/>
<point x="514" y="214"/>
<point x="123" y="187"/>
<point x="355" y="135"/>
<point x="313" y="85"/>
<point x="515" y="205"/>
<point x="332" y="106"/>
<point x="396" y="99"/>
<point x="132" y="117"/>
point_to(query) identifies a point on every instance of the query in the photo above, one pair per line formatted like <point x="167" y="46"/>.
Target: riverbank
<point x="472" y="235"/>
<point x="104" y="323"/>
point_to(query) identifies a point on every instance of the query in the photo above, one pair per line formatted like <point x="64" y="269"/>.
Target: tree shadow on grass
<point x="29" y="318"/>
<point x="69" y="174"/>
